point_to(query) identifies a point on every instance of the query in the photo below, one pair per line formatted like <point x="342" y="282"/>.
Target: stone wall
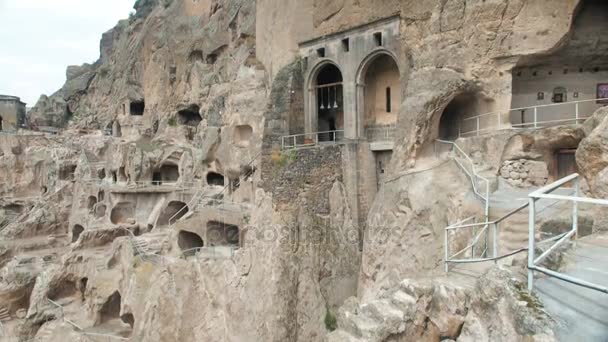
<point x="525" y="173"/>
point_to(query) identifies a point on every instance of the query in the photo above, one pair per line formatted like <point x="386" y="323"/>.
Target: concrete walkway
<point x="581" y="313"/>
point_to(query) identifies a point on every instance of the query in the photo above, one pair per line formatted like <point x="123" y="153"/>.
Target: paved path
<point x="581" y="313"/>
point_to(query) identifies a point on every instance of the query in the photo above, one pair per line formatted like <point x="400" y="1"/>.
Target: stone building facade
<point x="12" y="113"/>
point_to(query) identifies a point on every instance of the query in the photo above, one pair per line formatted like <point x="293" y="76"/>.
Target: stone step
<point x="342" y="336"/>
<point x="387" y="315"/>
<point x="4" y="314"/>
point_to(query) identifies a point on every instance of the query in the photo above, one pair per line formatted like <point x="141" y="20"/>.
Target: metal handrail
<point x="291" y="141"/>
<point x="486" y="198"/>
<point x="535" y="124"/>
<point x="197" y="196"/>
<point x="79" y="328"/>
<point x="533" y="262"/>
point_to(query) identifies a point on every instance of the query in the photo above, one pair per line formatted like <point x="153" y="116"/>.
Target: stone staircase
<point x="4" y="314"/>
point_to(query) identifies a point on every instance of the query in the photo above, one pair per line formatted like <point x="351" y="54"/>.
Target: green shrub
<point x="172" y="122"/>
<point x="331" y="323"/>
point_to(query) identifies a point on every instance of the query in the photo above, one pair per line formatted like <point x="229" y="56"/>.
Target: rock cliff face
<point x="165" y="210"/>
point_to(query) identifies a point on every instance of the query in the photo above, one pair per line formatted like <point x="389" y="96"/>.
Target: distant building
<point x="12" y="113"/>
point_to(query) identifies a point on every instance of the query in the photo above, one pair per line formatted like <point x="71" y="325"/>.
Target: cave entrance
<point x="455" y="119"/>
<point x="381" y="95"/>
<point x="188" y="242"/>
<point x="122" y="212"/>
<point x="215" y="179"/>
<point x="330" y="104"/>
<point x="110" y="309"/>
<point x="137" y="108"/>
<point x="0" y="123"/>
<point x="577" y="70"/>
<point x="174" y="211"/>
<point x="66" y="172"/>
<point x="91" y="201"/>
<point x="222" y="234"/>
<point x="190" y="116"/>
<point x="76" y="231"/>
<point x="168" y="173"/>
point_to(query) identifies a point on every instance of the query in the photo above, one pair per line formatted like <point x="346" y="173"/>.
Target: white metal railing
<point x="450" y="258"/>
<point x="534" y="262"/>
<point x="211" y="252"/>
<point x="469" y="168"/>
<point x="198" y="196"/>
<point x="311" y="139"/>
<point x="501" y="120"/>
<point x="79" y="328"/>
<point x="381" y="133"/>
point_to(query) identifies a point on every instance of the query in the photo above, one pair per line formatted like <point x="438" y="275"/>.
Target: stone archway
<point x="325" y="109"/>
<point x="379" y="93"/>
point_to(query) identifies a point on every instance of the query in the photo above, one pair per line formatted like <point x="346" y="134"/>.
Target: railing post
<point x="316" y="139"/>
<point x="498" y="121"/>
<point x="535" y="117"/>
<point x="577" y="187"/>
<point x="576" y="112"/>
<point x="446" y="250"/>
<point x="495" y="246"/>
<point x="531" y="226"/>
<point x="477" y="125"/>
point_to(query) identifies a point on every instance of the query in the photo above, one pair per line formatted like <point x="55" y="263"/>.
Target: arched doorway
<point x="458" y="119"/>
<point x="328" y="102"/>
<point x="379" y="94"/>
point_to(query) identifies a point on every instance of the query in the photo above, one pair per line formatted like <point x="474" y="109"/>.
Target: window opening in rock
<point x="222" y="234"/>
<point x="76" y="231"/>
<point x="215" y="179"/>
<point x="188" y="241"/>
<point x="196" y="56"/>
<point x="346" y="45"/>
<point x="137" y="108"/>
<point x="114" y="176"/>
<point x="242" y="135"/>
<point x="388" y="99"/>
<point x="91" y="202"/>
<point x="101" y="173"/>
<point x="129" y="319"/>
<point x="190" y="116"/>
<point x="66" y="172"/>
<point x="211" y="58"/>
<point x="378" y="38"/>
<point x="101" y="195"/>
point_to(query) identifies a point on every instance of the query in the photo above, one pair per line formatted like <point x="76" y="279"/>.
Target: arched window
<point x="388" y="99"/>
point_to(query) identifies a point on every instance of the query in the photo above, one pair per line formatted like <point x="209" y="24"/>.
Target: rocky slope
<point x="93" y="244"/>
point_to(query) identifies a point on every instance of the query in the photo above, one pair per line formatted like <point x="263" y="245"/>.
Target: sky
<point x="40" y="38"/>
